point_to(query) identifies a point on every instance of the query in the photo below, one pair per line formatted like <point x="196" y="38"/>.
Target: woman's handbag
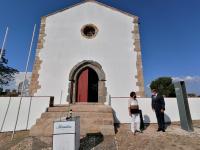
<point x="134" y="109"/>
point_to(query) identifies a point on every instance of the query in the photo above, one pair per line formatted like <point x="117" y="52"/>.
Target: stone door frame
<point x="73" y="78"/>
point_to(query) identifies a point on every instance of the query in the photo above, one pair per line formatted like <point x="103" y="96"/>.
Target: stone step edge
<point x="101" y="111"/>
<point x="83" y="106"/>
<point x="64" y="105"/>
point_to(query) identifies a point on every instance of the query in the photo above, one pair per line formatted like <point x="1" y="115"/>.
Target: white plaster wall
<point x="38" y="106"/>
<point x="64" y="47"/>
<point x="120" y="107"/>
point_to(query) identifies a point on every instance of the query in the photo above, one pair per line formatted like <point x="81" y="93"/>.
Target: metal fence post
<point x="51" y="103"/>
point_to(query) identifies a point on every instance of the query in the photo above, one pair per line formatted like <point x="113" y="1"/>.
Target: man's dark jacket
<point x="158" y="102"/>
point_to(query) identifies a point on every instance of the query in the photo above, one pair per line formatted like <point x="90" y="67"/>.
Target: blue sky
<point x="170" y="34"/>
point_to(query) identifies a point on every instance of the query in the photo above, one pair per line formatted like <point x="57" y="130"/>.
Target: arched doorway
<point x="94" y="89"/>
<point x="87" y="86"/>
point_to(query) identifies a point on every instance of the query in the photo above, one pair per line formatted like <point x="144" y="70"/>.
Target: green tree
<point x="6" y="73"/>
<point x="164" y="86"/>
<point x="191" y="95"/>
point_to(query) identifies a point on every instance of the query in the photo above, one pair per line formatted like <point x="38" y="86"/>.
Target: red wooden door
<point x="82" y="95"/>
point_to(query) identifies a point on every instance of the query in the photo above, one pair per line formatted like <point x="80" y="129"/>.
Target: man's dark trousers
<point x="160" y="119"/>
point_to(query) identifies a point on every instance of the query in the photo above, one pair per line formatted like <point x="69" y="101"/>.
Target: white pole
<point x="4" y="41"/>
<point x="27" y="63"/>
<point x="24" y="81"/>
<point x="61" y="97"/>
<point x="60" y="102"/>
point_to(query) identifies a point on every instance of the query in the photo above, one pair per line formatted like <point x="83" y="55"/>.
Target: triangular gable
<point x="94" y="1"/>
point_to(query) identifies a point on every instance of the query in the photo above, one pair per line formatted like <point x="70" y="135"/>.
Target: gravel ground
<point x="22" y="141"/>
<point x="173" y="139"/>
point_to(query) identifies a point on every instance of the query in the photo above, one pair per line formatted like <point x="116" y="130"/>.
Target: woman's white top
<point x="132" y="102"/>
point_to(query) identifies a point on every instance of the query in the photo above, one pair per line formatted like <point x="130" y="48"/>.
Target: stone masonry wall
<point x="136" y="35"/>
<point x="34" y="85"/>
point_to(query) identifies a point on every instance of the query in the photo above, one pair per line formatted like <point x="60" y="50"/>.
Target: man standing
<point x="158" y="105"/>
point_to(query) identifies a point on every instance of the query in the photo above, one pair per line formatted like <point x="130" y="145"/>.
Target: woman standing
<point x="133" y="108"/>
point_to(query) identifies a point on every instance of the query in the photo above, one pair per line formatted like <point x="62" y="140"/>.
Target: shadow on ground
<point x="167" y="121"/>
<point x="91" y="140"/>
<point x="146" y="121"/>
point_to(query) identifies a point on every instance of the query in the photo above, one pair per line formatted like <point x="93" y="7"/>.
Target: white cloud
<point x="187" y="78"/>
<point x="192" y="83"/>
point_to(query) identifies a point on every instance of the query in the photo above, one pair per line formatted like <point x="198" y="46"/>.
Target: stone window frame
<point x="89" y="25"/>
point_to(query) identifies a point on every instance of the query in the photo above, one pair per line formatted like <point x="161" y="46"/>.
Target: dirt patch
<point x="22" y="141"/>
<point x="5" y="139"/>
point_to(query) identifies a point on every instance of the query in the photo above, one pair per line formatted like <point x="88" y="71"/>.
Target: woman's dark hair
<point x="133" y="94"/>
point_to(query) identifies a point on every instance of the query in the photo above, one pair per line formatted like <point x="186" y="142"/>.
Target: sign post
<point x="66" y="134"/>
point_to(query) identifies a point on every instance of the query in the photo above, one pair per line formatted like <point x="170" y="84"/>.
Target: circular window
<point x="89" y="31"/>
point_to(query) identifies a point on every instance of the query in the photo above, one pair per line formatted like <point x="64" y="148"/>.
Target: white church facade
<point x="87" y="53"/>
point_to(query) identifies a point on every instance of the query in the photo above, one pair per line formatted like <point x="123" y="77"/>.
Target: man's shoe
<point x="158" y="130"/>
<point x="163" y="130"/>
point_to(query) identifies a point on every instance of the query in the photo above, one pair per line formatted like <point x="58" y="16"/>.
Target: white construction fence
<point x="30" y="110"/>
<point x="120" y="108"/>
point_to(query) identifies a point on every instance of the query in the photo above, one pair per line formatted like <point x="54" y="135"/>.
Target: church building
<point x="88" y="53"/>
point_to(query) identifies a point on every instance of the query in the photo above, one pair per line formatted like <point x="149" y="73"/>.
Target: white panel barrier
<point x="33" y="107"/>
<point x="11" y="115"/>
<point x="194" y="105"/>
<point x="120" y="109"/>
<point x="23" y="114"/>
<point x="38" y="107"/>
<point x="30" y="110"/>
<point x="3" y="109"/>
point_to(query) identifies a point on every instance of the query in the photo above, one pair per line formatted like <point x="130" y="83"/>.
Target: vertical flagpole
<point x="27" y="63"/>
<point x="4" y="41"/>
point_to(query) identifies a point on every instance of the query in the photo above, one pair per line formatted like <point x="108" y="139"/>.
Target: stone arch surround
<point x="73" y="77"/>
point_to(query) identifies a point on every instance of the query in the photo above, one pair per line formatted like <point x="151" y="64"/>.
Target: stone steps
<point x="93" y="118"/>
<point x="81" y="108"/>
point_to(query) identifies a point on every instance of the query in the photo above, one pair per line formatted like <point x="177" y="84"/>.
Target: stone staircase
<point x="94" y="118"/>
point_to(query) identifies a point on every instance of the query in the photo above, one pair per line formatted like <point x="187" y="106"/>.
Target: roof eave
<point x="80" y="3"/>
